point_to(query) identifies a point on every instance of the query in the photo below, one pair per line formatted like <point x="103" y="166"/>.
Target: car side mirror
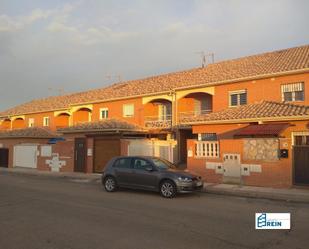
<point x="148" y="168"/>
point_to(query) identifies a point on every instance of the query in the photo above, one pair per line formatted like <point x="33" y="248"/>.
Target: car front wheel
<point x="110" y="184"/>
<point x="168" y="189"/>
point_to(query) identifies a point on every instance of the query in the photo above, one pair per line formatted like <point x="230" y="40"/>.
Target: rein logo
<point x="272" y="220"/>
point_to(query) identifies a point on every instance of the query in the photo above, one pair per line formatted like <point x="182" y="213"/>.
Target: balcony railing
<point x="185" y="117"/>
<point x="158" y="122"/>
<point x="207" y="149"/>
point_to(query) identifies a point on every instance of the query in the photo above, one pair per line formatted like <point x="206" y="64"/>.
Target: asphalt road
<point x="42" y="213"/>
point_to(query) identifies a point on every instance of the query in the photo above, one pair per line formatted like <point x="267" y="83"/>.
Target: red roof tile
<point x="109" y="125"/>
<point x="32" y="132"/>
<point x="256" y="111"/>
<point x="247" y="67"/>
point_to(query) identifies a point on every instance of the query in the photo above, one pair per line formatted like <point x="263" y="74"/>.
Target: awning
<point x="263" y="130"/>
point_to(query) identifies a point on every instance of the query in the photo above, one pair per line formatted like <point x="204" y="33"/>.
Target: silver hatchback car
<point x="149" y="173"/>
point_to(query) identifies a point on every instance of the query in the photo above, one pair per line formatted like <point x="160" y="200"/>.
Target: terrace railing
<point x="158" y="122"/>
<point x="208" y="149"/>
<point x="185" y="117"/>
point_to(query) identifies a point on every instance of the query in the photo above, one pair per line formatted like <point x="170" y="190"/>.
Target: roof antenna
<point x="207" y="58"/>
<point x="59" y="90"/>
<point x="118" y="77"/>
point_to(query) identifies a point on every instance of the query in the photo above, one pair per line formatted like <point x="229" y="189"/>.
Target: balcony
<point x="158" y="114"/>
<point x="185" y="117"/>
<point x="155" y="122"/>
<point x="192" y="105"/>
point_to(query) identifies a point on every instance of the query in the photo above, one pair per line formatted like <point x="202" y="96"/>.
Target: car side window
<point x="124" y="163"/>
<point x="140" y="164"/>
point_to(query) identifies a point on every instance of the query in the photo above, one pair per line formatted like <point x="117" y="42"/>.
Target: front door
<point x="301" y="164"/>
<point x="80" y="155"/>
<point x="4" y="157"/>
<point x="232" y="169"/>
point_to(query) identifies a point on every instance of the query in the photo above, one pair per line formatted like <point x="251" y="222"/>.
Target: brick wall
<point x="65" y="149"/>
<point x="274" y="173"/>
<point x="257" y="90"/>
<point x="115" y="110"/>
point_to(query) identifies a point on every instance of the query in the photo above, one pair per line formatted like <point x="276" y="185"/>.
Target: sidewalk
<point x="74" y="176"/>
<point x="296" y="194"/>
<point x="292" y="194"/>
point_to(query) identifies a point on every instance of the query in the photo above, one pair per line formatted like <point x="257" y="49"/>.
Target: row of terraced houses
<point x="244" y="120"/>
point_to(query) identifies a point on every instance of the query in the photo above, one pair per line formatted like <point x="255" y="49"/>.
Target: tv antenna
<point x="111" y="77"/>
<point x="59" y="90"/>
<point x="207" y="58"/>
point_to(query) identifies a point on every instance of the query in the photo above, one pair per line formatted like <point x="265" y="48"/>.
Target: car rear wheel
<point x="110" y="184"/>
<point x="168" y="189"/>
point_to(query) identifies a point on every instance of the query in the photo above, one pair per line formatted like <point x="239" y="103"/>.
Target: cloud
<point x="14" y="23"/>
<point x="8" y="24"/>
<point x="75" y="45"/>
<point x="87" y="35"/>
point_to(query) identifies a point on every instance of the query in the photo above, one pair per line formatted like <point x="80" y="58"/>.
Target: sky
<point x="54" y="47"/>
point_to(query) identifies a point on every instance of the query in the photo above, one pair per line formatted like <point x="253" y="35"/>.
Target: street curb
<point x="209" y="188"/>
<point x="84" y="178"/>
<point x="262" y="195"/>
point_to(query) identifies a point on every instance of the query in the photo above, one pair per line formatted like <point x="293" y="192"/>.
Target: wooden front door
<point x="104" y="150"/>
<point x="301" y="164"/>
<point x="80" y="155"/>
<point x="4" y="157"/>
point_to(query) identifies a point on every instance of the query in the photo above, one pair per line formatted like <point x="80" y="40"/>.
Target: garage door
<point x="25" y="156"/>
<point x="104" y="150"/>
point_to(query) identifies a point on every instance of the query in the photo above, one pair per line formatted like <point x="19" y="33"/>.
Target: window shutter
<point x="243" y="98"/>
<point x="234" y="99"/>
<point x="128" y="110"/>
<point x="293" y="87"/>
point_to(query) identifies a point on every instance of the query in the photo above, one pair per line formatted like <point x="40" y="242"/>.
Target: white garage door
<point x="25" y="156"/>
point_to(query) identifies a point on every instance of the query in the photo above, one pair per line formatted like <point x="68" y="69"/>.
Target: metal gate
<point x="4" y="157"/>
<point x="231" y="168"/>
<point x="301" y="164"/>
<point x="159" y="148"/>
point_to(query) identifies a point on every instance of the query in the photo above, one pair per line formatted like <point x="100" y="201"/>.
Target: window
<point x="163" y="164"/>
<point x="128" y="110"/>
<point x="165" y="112"/>
<point x="103" y="113"/>
<point x="207" y="137"/>
<point x="301" y="140"/>
<point x="293" y="92"/>
<point x="140" y="164"/>
<point x="124" y="163"/>
<point x="31" y="122"/>
<point x="46" y="121"/>
<point x="238" y="98"/>
<point x="46" y="150"/>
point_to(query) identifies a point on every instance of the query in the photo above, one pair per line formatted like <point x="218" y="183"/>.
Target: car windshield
<point x="163" y="164"/>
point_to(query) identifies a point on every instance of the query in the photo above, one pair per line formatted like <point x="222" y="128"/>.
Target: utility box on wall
<point x="284" y="153"/>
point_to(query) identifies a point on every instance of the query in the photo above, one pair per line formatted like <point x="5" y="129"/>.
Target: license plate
<point x="199" y="184"/>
